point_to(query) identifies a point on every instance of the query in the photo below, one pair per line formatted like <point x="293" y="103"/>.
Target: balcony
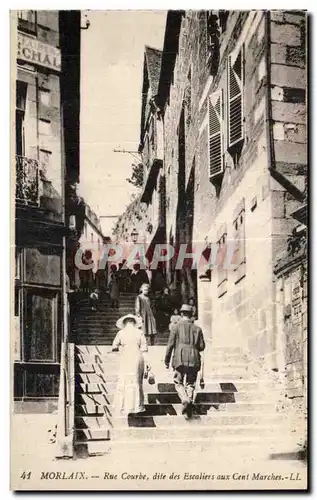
<point x="27" y="181"/>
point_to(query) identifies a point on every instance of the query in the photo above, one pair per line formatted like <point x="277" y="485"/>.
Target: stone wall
<point x="244" y="311"/>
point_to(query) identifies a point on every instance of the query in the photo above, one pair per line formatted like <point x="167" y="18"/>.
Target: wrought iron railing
<point x="27" y="180"/>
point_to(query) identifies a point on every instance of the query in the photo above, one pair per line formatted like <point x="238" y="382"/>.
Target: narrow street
<point x="160" y="319"/>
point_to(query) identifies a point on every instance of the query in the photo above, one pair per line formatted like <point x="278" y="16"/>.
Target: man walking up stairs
<point x="186" y="342"/>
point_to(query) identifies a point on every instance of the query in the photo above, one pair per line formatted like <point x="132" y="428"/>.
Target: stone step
<point x="108" y="360"/>
<point x="192" y="432"/>
<point x="251" y="446"/>
<point x="185" y="432"/>
<point x="107" y="340"/>
<point x="230" y="382"/>
<point x="215" y="372"/>
<point x="231" y="445"/>
<point x="248" y="388"/>
<point x="213" y="355"/>
<point x="102" y="315"/>
<point x="176" y="409"/>
<point x="214" y="349"/>
<point x="92" y="448"/>
<point x="172" y="398"/>
<point x="216" y="418"/>
<point x="92" y="434"/>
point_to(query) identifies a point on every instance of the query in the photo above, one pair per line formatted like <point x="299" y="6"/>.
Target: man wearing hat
<point x="186" y="342"/>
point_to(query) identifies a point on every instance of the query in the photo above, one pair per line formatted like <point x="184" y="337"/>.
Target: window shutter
<point x="216" y="162"/>
<point x="235" y="99"/>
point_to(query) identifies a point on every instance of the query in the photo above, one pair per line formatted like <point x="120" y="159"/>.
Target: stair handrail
<point x="66" y="400"/>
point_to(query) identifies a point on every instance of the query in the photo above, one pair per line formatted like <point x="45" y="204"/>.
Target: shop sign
<point x="33" y="51"/>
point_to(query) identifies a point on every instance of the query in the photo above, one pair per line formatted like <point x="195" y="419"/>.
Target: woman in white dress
<point x="131" y="342"/>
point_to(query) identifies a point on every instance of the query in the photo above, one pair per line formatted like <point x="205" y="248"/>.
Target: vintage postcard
<point x="159" y="250"/>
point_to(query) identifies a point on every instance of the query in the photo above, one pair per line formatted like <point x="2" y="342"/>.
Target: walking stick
<point x="201" y="380"/>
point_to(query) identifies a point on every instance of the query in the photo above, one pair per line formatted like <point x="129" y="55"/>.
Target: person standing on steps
<point x="186" y="342"/>
<point x="143" y="309"/>
<point x="138" y="276"/>
<point x="129" y="397"/>
<point x="114" y="290"/>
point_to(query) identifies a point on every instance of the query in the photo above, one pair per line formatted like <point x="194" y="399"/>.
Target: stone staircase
<point x="235" y="409"/>
<point x="99" y="327"/>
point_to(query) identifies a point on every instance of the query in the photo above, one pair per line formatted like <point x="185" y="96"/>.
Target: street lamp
<point x="134" y="235"/>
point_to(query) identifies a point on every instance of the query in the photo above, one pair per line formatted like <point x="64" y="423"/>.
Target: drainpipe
<point x="277" y="360"/>
<point x="64" y="435"/>
<point x="269" y="121"/>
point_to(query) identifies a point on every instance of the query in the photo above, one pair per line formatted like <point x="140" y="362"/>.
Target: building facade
<point x="45" y="163"/>
<point x="232" y="95"/>
<point x="151" y="148"/>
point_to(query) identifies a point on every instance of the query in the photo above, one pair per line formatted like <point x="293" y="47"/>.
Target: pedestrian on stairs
<point x="114" y="290"/>
<point x="94" y="299"/>
<point x="186" y="342"/>
<point x="129" y="396"/>
<point x="144" y="310"/>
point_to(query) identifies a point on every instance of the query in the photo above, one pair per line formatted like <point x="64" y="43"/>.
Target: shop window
<point x="216" y="149"/>
<point x="221" y="265"/>
<point x="42" y="343"/>
<point x="239" y="255"/>
<point x="21" y="93"/>
<point x="235" y="82"/>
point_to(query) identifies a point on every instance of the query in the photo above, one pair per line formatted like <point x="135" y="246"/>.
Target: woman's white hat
<point x="120" y="322"/>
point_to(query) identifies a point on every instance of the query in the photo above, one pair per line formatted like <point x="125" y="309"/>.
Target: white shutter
<point x="235" y="98"/>
<point x="216" y="160"/>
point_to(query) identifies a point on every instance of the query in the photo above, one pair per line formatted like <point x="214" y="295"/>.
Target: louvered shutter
<point x="235" y="99"/>
<point x="215" y="134"/>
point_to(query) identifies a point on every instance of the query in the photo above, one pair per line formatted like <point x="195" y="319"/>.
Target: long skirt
<point x="129" y="396"/>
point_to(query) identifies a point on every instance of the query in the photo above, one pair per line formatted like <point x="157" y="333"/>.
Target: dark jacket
<point x="187" y="341"/>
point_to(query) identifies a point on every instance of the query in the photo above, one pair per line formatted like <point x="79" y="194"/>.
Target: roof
<point x="151" y="78"/>
<point x="170" y="49"/>
<point x="153" y="59"/>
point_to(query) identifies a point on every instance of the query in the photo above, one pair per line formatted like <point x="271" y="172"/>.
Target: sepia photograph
<point x="159" y="268"/>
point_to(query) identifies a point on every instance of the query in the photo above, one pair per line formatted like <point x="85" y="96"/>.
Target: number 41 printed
<point x="25" y="475"/>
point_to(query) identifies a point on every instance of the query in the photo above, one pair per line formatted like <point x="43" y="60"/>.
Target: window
<point x="16" y="302"/>
<point x="21" y="92"/>
<point x="27" y="15"/>
<point x="213" y="35"/>
<point x="91" y="237"/>
<point x="239" y="257"/>
<point x="17" y="263"/>
<point x="216" y="152"/>
<point x="235" y="101"/>
<point x="27" y="20"/>
<point x="221" y="263"/>
<point x="223" y="18"/>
